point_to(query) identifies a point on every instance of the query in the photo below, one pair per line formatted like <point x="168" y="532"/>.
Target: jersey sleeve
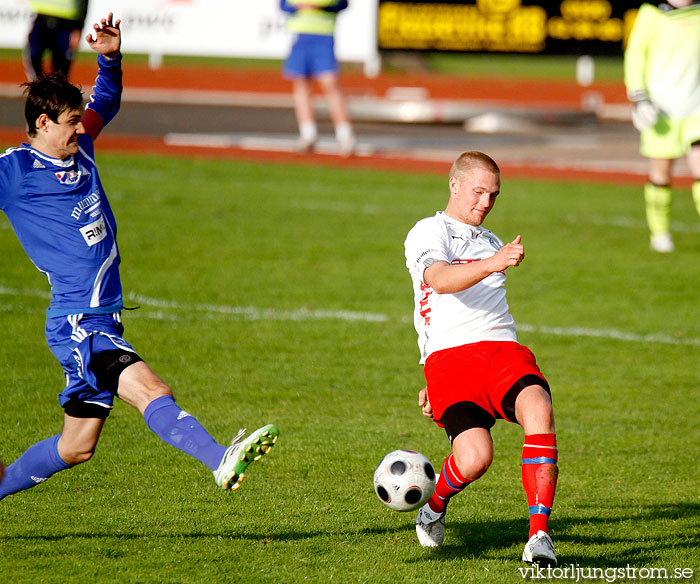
<point x="635" y="62"/>
<point x="8" y="178"/>
<point x="106" y="96"/>
<point x="425" y="244"/>
<point x="286" y="6"/>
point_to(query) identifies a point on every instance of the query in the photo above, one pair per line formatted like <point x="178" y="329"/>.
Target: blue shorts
<point x="74" y="340"/>
<point x="311" y="55"/>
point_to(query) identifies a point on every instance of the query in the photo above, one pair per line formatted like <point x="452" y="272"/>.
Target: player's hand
<point x="424" y="403"/>
<point x="644" y="115"/>
<point x="511" y="254"/>
<point x="108" y="37"/>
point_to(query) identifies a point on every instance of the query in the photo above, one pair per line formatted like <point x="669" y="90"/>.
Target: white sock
<point x="308" y="131"/>
<point x="343" y="132"/>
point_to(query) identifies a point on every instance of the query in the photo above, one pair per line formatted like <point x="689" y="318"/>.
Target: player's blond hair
<point x="468" y="161"/>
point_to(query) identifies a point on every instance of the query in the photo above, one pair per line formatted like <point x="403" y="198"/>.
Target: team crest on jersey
<point x="68" y="177"/>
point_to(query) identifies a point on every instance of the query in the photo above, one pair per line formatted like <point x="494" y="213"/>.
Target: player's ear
<point x="453" y="183"/>
<point x="42" y="123"/>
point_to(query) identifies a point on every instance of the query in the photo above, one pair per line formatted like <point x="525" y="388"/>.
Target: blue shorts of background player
<point x="93" y="353"/>
<point x="311" y="55"/>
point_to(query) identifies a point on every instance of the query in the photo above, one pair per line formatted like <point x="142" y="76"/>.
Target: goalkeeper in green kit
<point x="662" y="77"/>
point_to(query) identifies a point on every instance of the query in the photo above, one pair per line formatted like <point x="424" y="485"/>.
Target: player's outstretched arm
<point x="105" y="99"/>
<point x="108" y="37"/>
<point x="447" y="278"/>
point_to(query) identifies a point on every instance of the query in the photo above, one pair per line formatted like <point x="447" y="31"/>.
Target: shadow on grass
<point x="636" y="543"/>
<point x="262" y="537"/>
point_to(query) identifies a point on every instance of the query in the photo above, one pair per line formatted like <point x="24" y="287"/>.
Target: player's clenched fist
<point x="511" y="254"/>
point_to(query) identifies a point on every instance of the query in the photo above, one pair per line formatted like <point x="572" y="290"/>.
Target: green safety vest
<point x="68" y="9"/>
<point x="310" y="21"/>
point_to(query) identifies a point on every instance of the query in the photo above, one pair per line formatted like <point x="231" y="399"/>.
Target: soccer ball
<point x="404" y="480"/>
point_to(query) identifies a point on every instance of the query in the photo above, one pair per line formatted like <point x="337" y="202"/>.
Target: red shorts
<point x="488" y="375"/>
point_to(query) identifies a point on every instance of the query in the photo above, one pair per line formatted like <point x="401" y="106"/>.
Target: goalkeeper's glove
<point x="645" y="113"/>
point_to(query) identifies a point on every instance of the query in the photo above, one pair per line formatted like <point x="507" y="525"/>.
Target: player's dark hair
<point x="50" y="94"/>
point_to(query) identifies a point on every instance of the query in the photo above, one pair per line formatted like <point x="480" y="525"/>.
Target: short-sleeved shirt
<point x="479" y="313"/>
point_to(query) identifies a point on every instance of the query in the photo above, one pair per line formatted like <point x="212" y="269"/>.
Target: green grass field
<point x="279" y="293"/>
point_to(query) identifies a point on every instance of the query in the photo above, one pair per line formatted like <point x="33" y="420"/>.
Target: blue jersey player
<point x="51" y="192"/>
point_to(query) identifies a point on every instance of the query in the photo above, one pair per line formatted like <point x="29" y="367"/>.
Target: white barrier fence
<point x="216" y="28"/>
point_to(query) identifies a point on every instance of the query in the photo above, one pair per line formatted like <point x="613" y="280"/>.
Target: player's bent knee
<point x="474" y="466"/>
<point x="473" y="452"/>
<point x="80" y="458"/>
<point x="73" y="456"/>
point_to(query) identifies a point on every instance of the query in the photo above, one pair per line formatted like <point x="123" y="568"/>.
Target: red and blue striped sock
<point x="449" y="484"/>
<point x="540" y="473"/>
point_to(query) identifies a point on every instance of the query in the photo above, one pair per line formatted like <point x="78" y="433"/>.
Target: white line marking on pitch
<point x="631" y="223"/>
<point x="254" y="313"/>
<point x="305" y="314"/>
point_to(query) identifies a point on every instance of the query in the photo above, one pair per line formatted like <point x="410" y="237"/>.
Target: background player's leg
<point x="658" y="198"/>
<point x="694" y="164"/>
<point x="304" y="112"/>
<point x="330" y="83"/>
<point x="61" y="52"/>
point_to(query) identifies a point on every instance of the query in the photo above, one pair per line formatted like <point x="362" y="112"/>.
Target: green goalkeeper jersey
<point x="662" y="59"/>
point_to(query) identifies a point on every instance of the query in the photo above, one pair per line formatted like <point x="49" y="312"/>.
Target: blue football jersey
<point x="60" y="212"/>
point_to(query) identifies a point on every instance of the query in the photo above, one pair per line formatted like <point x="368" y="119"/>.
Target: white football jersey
<point x="479" y="313"/>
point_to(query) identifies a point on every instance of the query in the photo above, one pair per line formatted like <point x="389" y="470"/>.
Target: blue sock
<point x="179" y="429"/>
<point x="35" y="466"/>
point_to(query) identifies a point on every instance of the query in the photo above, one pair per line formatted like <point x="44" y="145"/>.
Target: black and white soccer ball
<point x="404" y="480"/>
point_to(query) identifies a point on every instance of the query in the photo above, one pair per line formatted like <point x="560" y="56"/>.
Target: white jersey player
<point x="476" y="371"/>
